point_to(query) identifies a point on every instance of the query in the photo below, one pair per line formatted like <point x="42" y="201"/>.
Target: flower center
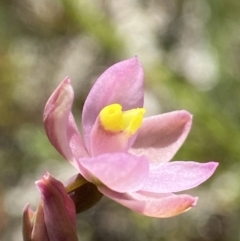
<point x="113" y="119"/>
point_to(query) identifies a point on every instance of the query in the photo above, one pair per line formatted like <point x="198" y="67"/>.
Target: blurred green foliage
<point x="190" y="51"/>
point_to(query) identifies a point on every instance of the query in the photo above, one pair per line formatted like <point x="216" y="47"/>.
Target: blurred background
<point x="190" y="51"/>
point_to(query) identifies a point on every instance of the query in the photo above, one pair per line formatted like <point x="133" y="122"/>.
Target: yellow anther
<point x="115" y="120"/>
<point x="111" y="117"/>
<point x="132" y="120"/>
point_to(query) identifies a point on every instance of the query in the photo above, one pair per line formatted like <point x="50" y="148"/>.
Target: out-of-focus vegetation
<point x="190" y="50"/>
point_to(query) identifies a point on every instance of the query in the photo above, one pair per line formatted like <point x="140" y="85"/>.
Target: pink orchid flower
<point x="55" y="217"/>
<point x="125" y="155"/>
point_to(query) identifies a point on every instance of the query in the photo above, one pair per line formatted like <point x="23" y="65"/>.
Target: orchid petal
<point x="160" y="137"/>
<point x="168" y="206"/>
<point x="59" y="210"/>
<point x="102" y="141"/>
<point x="120" y="172"/>
<point x="121" y="83"/>
<point x="60" y="125"/>
<point x="177" y="176"/>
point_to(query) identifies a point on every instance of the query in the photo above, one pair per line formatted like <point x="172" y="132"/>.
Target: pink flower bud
<point x="55" y="217"/>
